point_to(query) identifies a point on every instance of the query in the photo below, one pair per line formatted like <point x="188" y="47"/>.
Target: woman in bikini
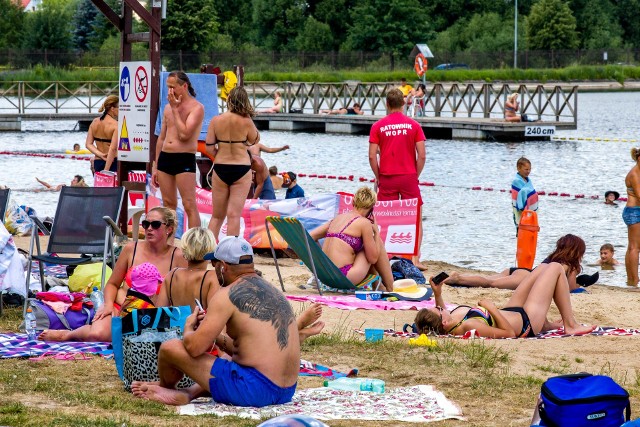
<point x="156" y="248"/>
<point x="353" y="243"/>
<point x="102" y="138"/>
<point x="511" y="107"/>
<point x="525" y="314"/>
<point x="228" y="137"/>
<point x="631" y="217"/>
<point x="183" y="285"/>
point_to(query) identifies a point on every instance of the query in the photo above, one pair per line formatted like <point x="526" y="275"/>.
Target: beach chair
<point x="4" y="201"/>
<point x="299" y="240"/>
<point x="81" y="229"/>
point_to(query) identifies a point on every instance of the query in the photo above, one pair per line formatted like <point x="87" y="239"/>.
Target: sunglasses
<point x="153" y="224"/>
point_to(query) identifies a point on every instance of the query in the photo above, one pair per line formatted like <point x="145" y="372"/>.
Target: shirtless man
<point x="175" y="166"/>
<point x="261" y="187"/>
<point x="259" y="321"/>
<point x="256" y="149"/>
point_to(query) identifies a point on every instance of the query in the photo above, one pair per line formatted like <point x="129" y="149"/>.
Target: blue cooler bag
<point x="583" y="400"/>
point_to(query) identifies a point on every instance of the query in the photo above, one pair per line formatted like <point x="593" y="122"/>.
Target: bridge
<point x="446" y="111"/>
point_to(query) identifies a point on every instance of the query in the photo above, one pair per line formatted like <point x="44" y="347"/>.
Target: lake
<point x="462" y="226"/>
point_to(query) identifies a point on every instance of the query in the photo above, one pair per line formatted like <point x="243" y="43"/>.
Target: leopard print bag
<point x="140" y="356"/>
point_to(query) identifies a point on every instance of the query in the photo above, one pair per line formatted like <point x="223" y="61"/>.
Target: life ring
<point x="83" y="151"/>
<point x="230" y="81"/>
<point x="421" y="64"/>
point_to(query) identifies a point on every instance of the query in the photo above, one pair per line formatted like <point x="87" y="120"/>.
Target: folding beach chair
<point x="4" y="201"/>
<point x="81" y="227"/>
<point x="298" y="239"/>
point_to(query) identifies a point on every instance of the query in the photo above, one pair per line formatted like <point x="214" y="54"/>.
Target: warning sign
<point x="134" y="114"/>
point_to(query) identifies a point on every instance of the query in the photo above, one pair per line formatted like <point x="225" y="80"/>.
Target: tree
<point x="83" y="25"/>
<point x="626" y="11"/>
<point x="598" y="26"/>
<point x="315" y="37"/>
<point x="551" y="25"/>
<point x="278" y="22"/>
<point x="332" y="13"/>
<point x="11" y="22"/>
<point x="49" y="27"/>
<point x="234" y="30"/>
<point x="102" y="28"/>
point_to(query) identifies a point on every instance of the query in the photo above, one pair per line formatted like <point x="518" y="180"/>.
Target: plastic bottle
<point x="30" y="324"/>
<point x="97" y="298"/>
<point x="356" y="384"/>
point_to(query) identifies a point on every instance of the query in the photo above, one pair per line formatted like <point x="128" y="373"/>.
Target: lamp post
<point x="515" y="37"/>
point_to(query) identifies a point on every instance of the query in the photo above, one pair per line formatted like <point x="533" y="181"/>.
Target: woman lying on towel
<point x="353" y="243"/>
<point x="525" y="315"/>
<point x="569" y="252"/>
<point x="156" y="248"/>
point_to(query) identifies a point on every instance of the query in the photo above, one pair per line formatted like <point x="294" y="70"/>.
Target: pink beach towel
<point x="353" y="303"/>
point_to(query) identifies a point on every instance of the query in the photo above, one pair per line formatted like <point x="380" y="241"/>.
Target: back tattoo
<point x="261" y="301"/>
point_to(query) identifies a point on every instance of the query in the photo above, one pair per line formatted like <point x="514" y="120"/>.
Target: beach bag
<point x="160" y="319"/>
<point x="47" y="318"/>
<point x="403" y="268"/>
<point x="17" y="220"/>
<point x="583" y="400"/>
<point x="86" y="276"/>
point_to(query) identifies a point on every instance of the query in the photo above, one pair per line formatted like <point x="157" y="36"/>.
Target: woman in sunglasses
<point x="157" y="248"/>
<point x="525" y="314"/>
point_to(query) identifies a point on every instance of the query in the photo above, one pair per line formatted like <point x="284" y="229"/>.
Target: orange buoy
<point x="202" y="148"/>
<point x="527" y="239"/>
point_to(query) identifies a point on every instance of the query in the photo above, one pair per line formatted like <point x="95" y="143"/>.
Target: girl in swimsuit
<point x="631" y="217"/>
<point x="511" y="108"/>
<point x="102" y="138"/>
<point x="228" y="137"/>
<point x="353" y="243"/>
<point x="525" y="314"/>
<point x="183" y="285"/>
<point x="157" y="249"/>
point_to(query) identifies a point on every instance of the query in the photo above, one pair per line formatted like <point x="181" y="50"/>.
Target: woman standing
<point x="631" y="217"/>
<point x="228" y="137"/>
<point x="102" y="138"/>
<point x="156" y="248"/>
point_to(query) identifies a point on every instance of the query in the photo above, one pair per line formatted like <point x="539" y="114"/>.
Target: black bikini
<point x="229" y="174"/>
<point x="527" y="329"/>
<point x="108" y="141"/>
<point x="201" y="284"/>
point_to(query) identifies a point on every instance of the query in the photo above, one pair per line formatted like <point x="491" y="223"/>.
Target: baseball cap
<point x="292" y="175"/>
<point x="230" y="250"/>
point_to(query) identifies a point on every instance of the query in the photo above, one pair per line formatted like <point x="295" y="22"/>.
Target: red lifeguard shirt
<point x="397" y="135"/>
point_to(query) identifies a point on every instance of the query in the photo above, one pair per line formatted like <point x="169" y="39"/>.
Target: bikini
<point x="127" y="277"/>
<point x="527" y="329"/>
<point x="99" y="164"/>
<point x="229" y="174"/>
<point x="201" y="285"/>
<point x="473" y="313"/>
<point x="356" y="243"/>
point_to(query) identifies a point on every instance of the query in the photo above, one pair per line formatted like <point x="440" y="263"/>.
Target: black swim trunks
<point x="176" y="163"/>
<point x="527" y="329"/>
<point x="99" y="164"/>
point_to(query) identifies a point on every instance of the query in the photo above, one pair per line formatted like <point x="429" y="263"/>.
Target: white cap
<point x="230" y="250"/>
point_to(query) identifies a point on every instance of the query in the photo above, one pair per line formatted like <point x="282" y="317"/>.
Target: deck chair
<point x="80" y="230"/>
<point x="299" y="240"/>
<point x="4" y="201"/>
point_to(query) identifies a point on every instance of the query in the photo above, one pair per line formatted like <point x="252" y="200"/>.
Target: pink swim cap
<point x="145" y="278"/>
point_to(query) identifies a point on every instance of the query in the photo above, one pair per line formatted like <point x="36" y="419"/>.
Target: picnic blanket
<point x="17" y="345"/>
<point x="421" y="403"/>
<point x="54" y="270"/>
<point x="310" y="369"/>
<point x="352" y="303"/>
<point x="556" y="333"/>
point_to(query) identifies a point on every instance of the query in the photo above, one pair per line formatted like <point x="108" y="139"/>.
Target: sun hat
<point x="408" y="288"/>
<point x="145" y="278"/>
<point x="230" y="250"/>
<point x="615" y="194"/>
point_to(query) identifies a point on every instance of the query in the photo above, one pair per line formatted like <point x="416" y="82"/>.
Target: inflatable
<point x="202" y="149"/>
<point x="527" y="239"/>
<point x="421" y="65"/>
<point x="83" y="151"/>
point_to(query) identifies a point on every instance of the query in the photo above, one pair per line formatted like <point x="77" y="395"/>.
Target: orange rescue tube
<point x="202" y="148"/>
<point x="527" y="239"/>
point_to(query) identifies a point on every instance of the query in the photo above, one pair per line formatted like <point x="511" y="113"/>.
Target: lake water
<point x="463" y="227"/>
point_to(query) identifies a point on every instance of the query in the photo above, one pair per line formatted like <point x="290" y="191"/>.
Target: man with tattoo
<point x="262" y="339"/>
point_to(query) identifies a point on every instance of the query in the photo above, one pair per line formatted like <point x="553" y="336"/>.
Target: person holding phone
<point x="353" y="243"/>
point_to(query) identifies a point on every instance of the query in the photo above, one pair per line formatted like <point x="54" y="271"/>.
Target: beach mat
<point x="609" y="331"/>
<point x="352" y="303"/>
<point x="17" y="345"/>
<point x="421" y="403"/>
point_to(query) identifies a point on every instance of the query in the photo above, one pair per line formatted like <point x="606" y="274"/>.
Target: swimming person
<point x="102" y="137"/>
<point x="77" y="181"/>
<point x="228" y="137"/>
<point x="607" y="252"/>
<point x="631" y="217"/>
<point x="175" y="164"/>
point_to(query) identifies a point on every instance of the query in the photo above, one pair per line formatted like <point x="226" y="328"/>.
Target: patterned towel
<point x="54" y="270"/>
<point x="17" y="345"/>
<point x="353" y="303"/>
<point x="421" y="403"/>
<point x="310" y="369"/>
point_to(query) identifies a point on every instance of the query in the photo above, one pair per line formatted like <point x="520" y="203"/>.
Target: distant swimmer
<point x="606" y="255"/>
<point x="610" y="197"/>
<point x="77" y="181"/>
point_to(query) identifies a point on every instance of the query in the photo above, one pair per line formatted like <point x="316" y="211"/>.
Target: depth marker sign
<point x="134" y="112"/>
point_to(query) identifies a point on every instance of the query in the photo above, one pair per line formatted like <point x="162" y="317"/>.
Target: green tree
<point x="551" y="25"/>
<point x="11" y="22"/>
<point x="626" y="11"/>
<point x="234" y="29"/>
<point x="102" y="28"/>
<point x="278" y="22"/>
<point x="333" y="13"/>
<point x="83" y="24"/>
<point x="315" y="37"/>
<point x="598" y="25"/>
<point x="49" y="27"/>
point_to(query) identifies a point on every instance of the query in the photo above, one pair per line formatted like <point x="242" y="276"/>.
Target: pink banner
<point x="104" y="179"/>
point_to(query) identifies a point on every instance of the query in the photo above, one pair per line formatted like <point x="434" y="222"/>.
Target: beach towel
<point x="17" y="345"/>
<point x="310" y="369"/>
<point x="421" y="403"/>
<point x="353" y="303"/>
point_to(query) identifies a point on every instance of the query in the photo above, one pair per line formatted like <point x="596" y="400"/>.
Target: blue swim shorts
<point x="238" y="385"/>
<point x="631" y="215"/>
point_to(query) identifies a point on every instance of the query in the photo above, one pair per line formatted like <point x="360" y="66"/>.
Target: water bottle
<point x="374" y="385"/>
<point x="356" y="384"/>
<point x="97" y="298"/>
<point x="30" y="324"/>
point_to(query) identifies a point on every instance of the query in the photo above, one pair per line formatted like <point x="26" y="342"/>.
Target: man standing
<point x="175" y="166"/>
<point x="399" y="141"/>
<point x="261" y="186"/>
<point x="261" y="337"/>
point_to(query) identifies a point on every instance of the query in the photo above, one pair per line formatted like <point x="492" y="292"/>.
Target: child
<point x="291" y="184"/>
<point x="606" y="255"/>
<point x="523" y="195"/>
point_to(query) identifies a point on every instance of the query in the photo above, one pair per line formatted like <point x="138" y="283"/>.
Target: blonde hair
<point x="168" y="215"/>
<point x="512" y="96"/>
<point x="110" y="102"/>
<point x="238" y="102"/>
<point x="522" y="161"/>
<point x="80" y="181"/>
<point x="364" y="198"/>
<point x="196" y="243"/>
<point x="635" y="153"/>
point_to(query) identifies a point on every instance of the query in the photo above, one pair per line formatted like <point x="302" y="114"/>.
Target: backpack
<point x="403" y="268"/>
<point x="47" y="318"/>
<point x="583" y="400"/>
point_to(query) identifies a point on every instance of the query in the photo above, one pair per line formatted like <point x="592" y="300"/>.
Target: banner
<point x="104" y="179"/>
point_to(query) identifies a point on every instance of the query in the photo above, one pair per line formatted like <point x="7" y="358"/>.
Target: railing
<point x="456" y="100"/>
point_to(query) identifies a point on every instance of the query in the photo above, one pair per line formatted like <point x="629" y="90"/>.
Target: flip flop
<point x="71" y="356"/>
<point x="43" y="356"/>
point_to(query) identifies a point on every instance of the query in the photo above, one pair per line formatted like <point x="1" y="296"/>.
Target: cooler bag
<point x="583" y="400"/>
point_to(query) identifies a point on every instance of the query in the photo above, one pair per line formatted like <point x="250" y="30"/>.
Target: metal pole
<point x="515" y="38"/>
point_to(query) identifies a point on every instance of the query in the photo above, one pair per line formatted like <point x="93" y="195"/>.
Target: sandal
<point x="71" y="356"/>
<point x="43" y="356"/>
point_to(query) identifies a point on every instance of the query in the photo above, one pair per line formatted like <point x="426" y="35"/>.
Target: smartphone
<point x="440" y="277"/>
<point x="200" y="305"/>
